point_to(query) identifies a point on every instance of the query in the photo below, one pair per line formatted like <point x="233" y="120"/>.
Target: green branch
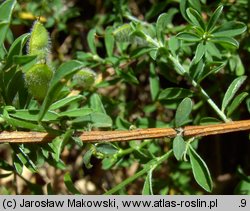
<point x="150" y="165"/>
<point x="196" y="85"/>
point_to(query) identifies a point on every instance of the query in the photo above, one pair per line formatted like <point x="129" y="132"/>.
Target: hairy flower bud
<point x="37" y="80"/>
<point x="84" y="78"/>
<point x="39" y="42"/>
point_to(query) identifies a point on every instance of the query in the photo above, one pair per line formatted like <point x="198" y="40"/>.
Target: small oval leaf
<point x="231" y="91"/>
<point x="195" y="18"/>
<point x="174" y="93"/>
<point x="236" y="102"/>
<point x="32" y="115"/>
<point x="183" y="111"/>
<point x="226" y="41"/>
<point x="69" y="184"/>
<point x="179" y="147"/>
<point x="200" y="170"/>
<point x="189" y="37"/>
<point x="162" y="23"/>
<point x="147" y="187"/>
<point x="91" y="40"/>
<point x="65" y="101"/>
<point x="107" y="148"/>
<point x="214" y="18"/>
<point x="109" y="41"/>
<point x="230" y="29"/>
<point x="199" y="53"/>
<point x="76" y="112"/>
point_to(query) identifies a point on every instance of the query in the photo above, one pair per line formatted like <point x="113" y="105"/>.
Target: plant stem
<point x="202" y="91"/>
<point x="130" y="150"/>
<point x="124" y="135"/>
<point x="181" y="70"/>
<point x="151" y="164"/>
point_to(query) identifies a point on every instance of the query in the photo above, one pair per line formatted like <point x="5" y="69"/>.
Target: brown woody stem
<point x="139" y="134"/>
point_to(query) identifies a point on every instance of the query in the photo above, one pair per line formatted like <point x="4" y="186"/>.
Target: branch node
<point x="179" y="131"/>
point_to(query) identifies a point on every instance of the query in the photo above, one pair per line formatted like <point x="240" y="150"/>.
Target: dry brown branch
<point x="139" y="134"/>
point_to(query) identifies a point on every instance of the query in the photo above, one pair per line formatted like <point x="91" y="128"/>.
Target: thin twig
<point x="120" y="135"/>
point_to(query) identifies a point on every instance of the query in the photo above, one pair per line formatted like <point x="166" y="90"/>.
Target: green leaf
<point x="107" y="148"/>
<point x="49" y="189"/>
<point x="5" y="175"/>
<point x="139" y="36"/>
<point x="161" y="25"/>
<point x="243" y="188"/>
<point x="155" y="9"/>
<point x="15" y="86"/>
<point x="179" y="147"/>
<point x="199" y="53"/>
<point x="153" y="82"/>
<point x="36" y="189"/>
<point x="147" y="187"/>
<point x="236" y="102"/>
<point x="209" y="121"/>
<point x="188" y="36"/>
<point x="128" y="76"/>
<point x="154" y="53"/>
<point x="108" y="162"/>
<point x="5" y="166"/>
<point x="230" y="29"/>
<point x="61" y="76"/>
<point x="87" y="158"/>
<point x="196" y="70"/>
<point x="231" y="91"/>
<point x="96" y="103"/>
<point x="21" y="124"/>
<point x="109" y="41"/>
<point x="195" y="4"/>
<point x="96" y="119"/>
<point x="77" y="141"/>
<point x="173" y="44"/>
<point x="17" y="165"/>
<point x="76" y="112"/>
<point x="23" y="157"/>
<point x="174" y="93"/>
<point x="200" y="171"/>
<point x="32" y="115"/>
<point x="183" y="111"/>
<point x="211" y="68"/>
<point x="16" y="48"/>
<point x="69" y="184"/>
<point x="58" y="144"/>
<point x="123" y="33"/>
<point x="213" y="50"/>
<point x="6" y="9"/>
<point x="57" y="164"/>
<point x="225" y="41"/>
<point x="24" y="59"/>
<point x="195" y="18"/>
<point x="163" y="22"/>
<point x="214" y="18"/>
<point x="147" y="168"/>
<point x="65" y="101"/>
<point x="138" y="52"/>
<point x="184" y="4"/>
<point x="239" y="69"/>
<point x="248" y="104"/>
<point x="3" y="31"/>
<point x="91" y="41"/>
<point x="183" y="8"/>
